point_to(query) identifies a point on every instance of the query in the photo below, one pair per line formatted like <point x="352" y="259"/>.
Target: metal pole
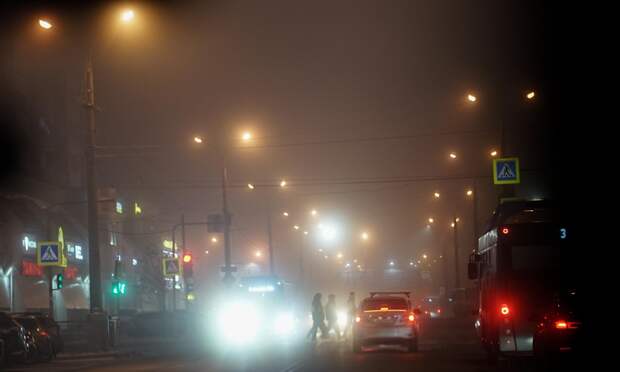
<point x="228" y="278"/>
<point x="475" y="215"/>
<point x="302" y="247"/>
<point x="271" y="258"/>
<point x="91" y="183"/>
<point x="49" y="272"/>
<point x="184" y="250"/>
<point x="457" y="279"/>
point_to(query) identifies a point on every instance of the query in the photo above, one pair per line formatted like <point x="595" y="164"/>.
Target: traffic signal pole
<point x="228" y="278"/>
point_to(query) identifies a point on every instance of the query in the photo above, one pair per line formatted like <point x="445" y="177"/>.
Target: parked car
<point x="36" y="333"/>
<point x="17" y="345"/>
<point x="51" y="327"/>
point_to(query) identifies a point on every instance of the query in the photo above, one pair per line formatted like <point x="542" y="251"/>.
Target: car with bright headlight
<point x="386" y="318"/>
<point x="257" y="309"/>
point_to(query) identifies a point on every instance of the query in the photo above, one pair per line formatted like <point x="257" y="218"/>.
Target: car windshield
<point x="28" y="323"/>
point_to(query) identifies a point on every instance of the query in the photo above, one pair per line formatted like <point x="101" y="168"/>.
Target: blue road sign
<point x="506" y="171"/>
<point x="49" y="254"/>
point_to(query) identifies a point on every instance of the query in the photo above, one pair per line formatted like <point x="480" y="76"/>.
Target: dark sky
<point x="384" y="80"/>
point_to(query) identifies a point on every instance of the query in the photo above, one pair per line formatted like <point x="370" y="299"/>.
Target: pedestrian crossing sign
<point x="506" y="171"/>
<point x="172" y="266"/>
<point x="49" y="254"/>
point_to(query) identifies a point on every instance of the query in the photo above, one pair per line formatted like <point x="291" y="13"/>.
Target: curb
<point x="107" y="354"/>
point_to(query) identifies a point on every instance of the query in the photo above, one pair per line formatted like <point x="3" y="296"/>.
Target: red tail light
<point x="505" y="230"/>
<point x="561" y="324"/>
<point x="438" y="311"/>
<point x="43" y="333"/>
<point x="411" y="317"/>
<point x="504" y="310"/>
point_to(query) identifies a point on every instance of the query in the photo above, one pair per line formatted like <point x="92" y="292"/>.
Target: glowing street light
<point x="246" y="136"/>
<point x="458" y="219"/>
<point x="437" y="195"/>
<point x="431" y="220"/>
<point x="424" y="256"/>
<point x="258" y="254"/>
<point x="250" y="186"/>
<point x="127" y="15"/>
<point x="283" y="183"/>
<point x="305" y="233"/>
<point x="530" y="95"/>
<point x="314" y="213"/>
<point x="45" y="24"/>
<point x="452" y="224"/>
<point x="214" y="240"/>
<point x="364" y="235"/>
<point x="470" y="192"/>
<point x="493" y="153"/>
<point x="452" y="155"/>
<point x="339" y="255"/>
<point x="296" y="227"/>
<point x="198" y="139"/>
<point x="285" y="214"/>
<point x="392" y="263"/>
<point x="472" y="98"/>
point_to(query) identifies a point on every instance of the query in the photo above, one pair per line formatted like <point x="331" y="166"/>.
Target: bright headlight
<point x="238" y="323"/>
<point x="284" y="324"/>
<point x="342" y="319"/>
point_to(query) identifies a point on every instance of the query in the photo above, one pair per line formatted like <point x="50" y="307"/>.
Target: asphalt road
<point x="445" y="345"/>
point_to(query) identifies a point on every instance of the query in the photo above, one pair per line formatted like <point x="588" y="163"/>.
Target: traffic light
<point x="59" y="281"/>
<point x="188" y="265"/>
<point x="119" y="288"/>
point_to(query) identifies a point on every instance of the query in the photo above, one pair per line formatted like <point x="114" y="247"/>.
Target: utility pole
<point x="228" y="278"/>
<point x="272" y="270"/>
<point x="457" y="267"/>
<point x="91" y="184"/>
<point x="475" y="213"/>
<point x="183" y="253"/>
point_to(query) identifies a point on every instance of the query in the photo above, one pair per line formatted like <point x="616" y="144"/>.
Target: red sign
<point x="30" y="268"/>
<point x="71" y="272"/>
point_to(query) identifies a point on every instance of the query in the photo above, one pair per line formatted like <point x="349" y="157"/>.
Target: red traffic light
<point x="187" y="258"/>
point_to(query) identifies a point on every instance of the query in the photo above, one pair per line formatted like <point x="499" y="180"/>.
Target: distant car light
<point x="411" y="317"/>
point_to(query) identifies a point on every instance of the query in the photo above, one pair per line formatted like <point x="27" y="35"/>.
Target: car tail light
<point x="505" y="230"/>
<point x="438" y="311"/>
<point x="561" y="324"/>
<point x="43" y="333"/>
<point x="411" y="317"/>
<point x="504" y="310"/>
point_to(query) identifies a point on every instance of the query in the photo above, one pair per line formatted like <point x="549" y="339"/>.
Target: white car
<point x="386" y="318"/>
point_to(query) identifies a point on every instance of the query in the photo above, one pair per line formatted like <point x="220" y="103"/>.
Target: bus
<point x="524" y="267"/>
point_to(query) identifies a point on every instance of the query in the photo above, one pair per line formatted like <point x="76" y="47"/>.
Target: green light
<point x="119" y="288"/>
<point x="59" y="279"/>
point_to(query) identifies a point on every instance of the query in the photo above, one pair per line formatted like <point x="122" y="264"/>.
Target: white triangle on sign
<point x="506" y="172"/>
<point x="172" y="267"/>
<point x="48" y="254"/>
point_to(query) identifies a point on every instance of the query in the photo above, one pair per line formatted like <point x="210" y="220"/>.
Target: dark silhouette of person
<point x="318" y="318"/>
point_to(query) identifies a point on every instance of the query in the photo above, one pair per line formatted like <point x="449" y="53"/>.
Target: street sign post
<point x="171" y="266"/>
<point x="50" y="254"/>
<point x="506" y="171"/>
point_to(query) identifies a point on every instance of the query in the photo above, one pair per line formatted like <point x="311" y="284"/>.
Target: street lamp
<point x="250" y="186"/>
<point x="258" y="254"/>
<point x="493" y="153"/>
<point x="470" y="192"/>
<point x="45" y="24"/>
<point x="472" y="98"/>
<point x="246" y="136"/>
<point x="296" y="227"/>
<point x="127" y="15"/>
<point x="431" y="220"/>
<point x="453" y="155"/>
<point x="285" y="214"/>
<point x="364" y="235"/>
<point x="283" y="183"/>
<point x="198" y="139"/>
<point x="214" y="240"/>
<point x="530" y="95"/>
<point x="314" y="213"/>
<point x="437" y="195"/>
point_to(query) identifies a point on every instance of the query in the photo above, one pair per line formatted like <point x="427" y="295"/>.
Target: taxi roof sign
<point x="506" y="171"/>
